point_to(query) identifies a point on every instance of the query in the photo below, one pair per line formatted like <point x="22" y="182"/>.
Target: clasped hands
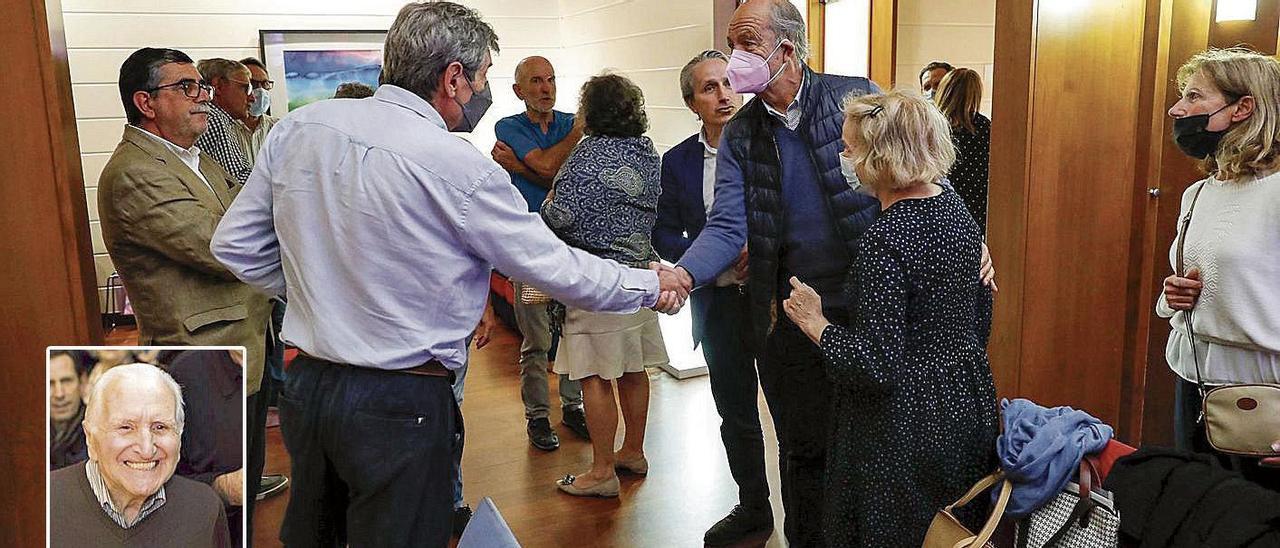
<point x="675" y="284"/>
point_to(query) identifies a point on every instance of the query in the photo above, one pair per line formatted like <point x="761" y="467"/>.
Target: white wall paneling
<point x="847" y="49"/>
<point x="960" y="32"/>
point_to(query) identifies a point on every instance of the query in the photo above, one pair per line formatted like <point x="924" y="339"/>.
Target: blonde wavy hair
<point x="959" y="96"/>
<point x="1253" y="145"/>
<point x="904" y="140"/>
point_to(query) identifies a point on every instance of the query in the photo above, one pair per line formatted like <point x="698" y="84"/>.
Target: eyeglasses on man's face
<point x="190" y="88"/>
<point x="244" y="87"/>
<point x="262" y="84"/>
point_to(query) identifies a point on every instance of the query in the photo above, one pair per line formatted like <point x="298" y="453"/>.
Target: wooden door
<point x="1065" y="201"/>
<point x="46" y="272"/>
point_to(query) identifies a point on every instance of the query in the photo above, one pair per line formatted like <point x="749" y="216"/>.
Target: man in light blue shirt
<point x="383" y="228"/>
<point x="532" y="145"/>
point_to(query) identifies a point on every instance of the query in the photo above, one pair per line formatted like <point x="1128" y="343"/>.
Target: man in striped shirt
<point x="230" y="100"/>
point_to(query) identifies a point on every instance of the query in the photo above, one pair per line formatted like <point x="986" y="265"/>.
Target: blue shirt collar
<point x="399" y="96"/>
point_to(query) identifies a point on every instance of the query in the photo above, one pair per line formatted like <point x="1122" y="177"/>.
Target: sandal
<point x="606" y="488"/>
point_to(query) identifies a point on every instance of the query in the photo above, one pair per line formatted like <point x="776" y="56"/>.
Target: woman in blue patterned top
<point x="605" y="201"/>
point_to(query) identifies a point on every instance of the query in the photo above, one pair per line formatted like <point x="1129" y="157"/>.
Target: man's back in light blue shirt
<point x="383" y="227"/>
<point x="524" y="136"/>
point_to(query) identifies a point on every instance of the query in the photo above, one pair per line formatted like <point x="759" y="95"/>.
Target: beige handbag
<point x="1239" y="419"/>
<point x="1242" y="419"/>
<point x="947" y="532"/>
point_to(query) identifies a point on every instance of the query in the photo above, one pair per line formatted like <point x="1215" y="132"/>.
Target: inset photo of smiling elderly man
<point x="146" y="446"/>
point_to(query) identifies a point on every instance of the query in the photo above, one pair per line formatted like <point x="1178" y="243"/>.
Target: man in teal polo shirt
<point x="531" y="147"/>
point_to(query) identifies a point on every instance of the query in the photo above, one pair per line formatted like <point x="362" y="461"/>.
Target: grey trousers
<point x="534" y="389"/>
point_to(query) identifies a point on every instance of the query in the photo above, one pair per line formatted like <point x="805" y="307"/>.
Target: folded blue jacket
<point x="1040" y="450"/>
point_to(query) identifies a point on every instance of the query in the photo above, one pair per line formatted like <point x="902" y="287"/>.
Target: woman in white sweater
<point x="1229" y="118"/>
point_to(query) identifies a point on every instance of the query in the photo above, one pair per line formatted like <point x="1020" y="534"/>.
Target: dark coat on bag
<point x="1176" y="499"/>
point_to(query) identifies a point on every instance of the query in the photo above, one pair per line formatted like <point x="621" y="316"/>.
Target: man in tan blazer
<point x="160" y="199"/>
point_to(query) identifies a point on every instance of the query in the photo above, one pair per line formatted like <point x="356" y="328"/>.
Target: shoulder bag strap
<point x="1182" y="270"/>
<point x="1082" y="508"/>
<point x="997" y="512"/>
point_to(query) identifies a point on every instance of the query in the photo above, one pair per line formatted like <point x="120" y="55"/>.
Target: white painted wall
<point x="647" y="40"/>
<point x="848" y="38"/>
<point x="960" y="32"/>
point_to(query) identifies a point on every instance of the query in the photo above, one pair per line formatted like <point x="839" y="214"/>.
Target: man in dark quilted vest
<point x="779" y="189"/>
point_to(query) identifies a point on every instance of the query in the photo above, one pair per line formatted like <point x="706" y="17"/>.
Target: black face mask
<point x="1193" y="137"/>
<point x="474" y="109"/>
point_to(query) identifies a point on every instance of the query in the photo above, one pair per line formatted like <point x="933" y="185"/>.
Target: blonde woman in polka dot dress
<point x="912" y="393"/>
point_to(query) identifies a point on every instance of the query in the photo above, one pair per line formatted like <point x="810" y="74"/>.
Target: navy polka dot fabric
<point x="912" y="396"/>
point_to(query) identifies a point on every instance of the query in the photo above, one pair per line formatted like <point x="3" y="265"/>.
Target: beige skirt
<point x="608" y="345"/>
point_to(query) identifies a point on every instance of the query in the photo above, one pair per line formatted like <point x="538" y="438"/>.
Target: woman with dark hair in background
<point x="958" y="97"/>
<point x="604" y="200"/>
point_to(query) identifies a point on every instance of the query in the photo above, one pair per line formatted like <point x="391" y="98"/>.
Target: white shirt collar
<point x="793" y="108"/>
<point x="190" y="157"/>
<point x="709" y="149"/>
<point x="184" y="153"/>
<point x="407" y="99"/>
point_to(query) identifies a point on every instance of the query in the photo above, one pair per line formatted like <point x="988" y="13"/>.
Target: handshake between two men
<point x="676" y="284"/>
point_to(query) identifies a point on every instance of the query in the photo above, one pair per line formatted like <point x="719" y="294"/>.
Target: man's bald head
<point x="536" y="84"/>
<point x="769" y="21"/>
<point x="532" y="62"/>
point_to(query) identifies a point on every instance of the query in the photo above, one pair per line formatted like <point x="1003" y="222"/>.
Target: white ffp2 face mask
<point x="261" y="102"/>
<point x="851" y="177"/>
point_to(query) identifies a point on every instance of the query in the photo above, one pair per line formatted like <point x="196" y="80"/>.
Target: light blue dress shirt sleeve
<point x="245" y="240"/>
<point x="496" y="227"/>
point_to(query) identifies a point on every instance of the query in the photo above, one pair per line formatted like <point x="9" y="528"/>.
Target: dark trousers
<point x="795" y="385"/>
<point x="371" y="452"/>
<point x="256" y="405"/>
<point x="726" y="347"/>
<point x="1189" y="435"/>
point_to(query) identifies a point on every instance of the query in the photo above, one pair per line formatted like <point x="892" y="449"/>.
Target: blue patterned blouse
<point x="605" y="199"/>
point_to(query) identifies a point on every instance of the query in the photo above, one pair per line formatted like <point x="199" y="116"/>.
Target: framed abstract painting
<point x="309" y="65"/>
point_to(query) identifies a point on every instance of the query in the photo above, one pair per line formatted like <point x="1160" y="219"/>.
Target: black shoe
<point x="574" y="419"/>
<point x="542" y="436"/>
<point x="742" y="522"/>
<point x="271" y="485"/>
<point x="461" y="517"/>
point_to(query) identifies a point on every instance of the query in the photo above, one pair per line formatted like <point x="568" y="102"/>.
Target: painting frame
<point x="317" y="45"/>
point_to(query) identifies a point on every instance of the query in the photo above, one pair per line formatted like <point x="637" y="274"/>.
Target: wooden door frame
<point x="51" y="296"/>
<point x="883" y="37"/>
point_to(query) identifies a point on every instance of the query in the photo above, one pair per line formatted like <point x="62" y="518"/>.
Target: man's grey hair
<point x="426" y="37"/>
<point x="254" y="62"/>
<point x="133" y="373"/>
<point x="787" y="23"/>
<point x="220" y="68"/>
<point x="686" y="73"/>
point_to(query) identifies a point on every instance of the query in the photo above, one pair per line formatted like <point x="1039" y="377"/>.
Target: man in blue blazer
<point x="688" y="192"/>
